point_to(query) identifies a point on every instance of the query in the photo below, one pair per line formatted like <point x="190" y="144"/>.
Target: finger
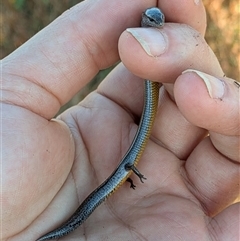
<point x="149" y="52"/>
<point x="225" y="226"/>
<point x="190" y="12"/>
<point x="212" y="178"/>
<point x="213" y="167"/>
<point x="59" y="60"/>
<point x="53" y="65"/>
<point x="217" y="99"/>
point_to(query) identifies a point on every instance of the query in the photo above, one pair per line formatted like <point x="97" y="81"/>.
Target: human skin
<point x="50" y="166"/>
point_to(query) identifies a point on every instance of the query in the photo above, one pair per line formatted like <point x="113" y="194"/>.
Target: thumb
<point x="213" y="104"/>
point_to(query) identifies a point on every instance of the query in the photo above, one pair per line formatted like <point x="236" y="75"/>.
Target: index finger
<point x="56" y="63"/>
<point x="53" y="65"/>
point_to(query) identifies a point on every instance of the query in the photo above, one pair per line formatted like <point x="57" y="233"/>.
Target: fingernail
<point x="153" y="41"/>
<point x="214" y="85"/>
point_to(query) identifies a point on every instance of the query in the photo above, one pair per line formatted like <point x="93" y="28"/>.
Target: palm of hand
<point x="51" y="166"/>
<point x="157" y="209"/>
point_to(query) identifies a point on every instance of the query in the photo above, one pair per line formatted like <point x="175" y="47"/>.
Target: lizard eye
<point x="151" y="19"/>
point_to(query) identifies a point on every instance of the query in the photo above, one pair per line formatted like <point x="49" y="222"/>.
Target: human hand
<point x="51" y="166"/>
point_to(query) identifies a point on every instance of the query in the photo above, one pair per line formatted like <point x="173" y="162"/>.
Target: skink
<point x="152" y="17"/>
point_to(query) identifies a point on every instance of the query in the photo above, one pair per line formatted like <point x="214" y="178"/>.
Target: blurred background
<point x="21" y="19"/>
